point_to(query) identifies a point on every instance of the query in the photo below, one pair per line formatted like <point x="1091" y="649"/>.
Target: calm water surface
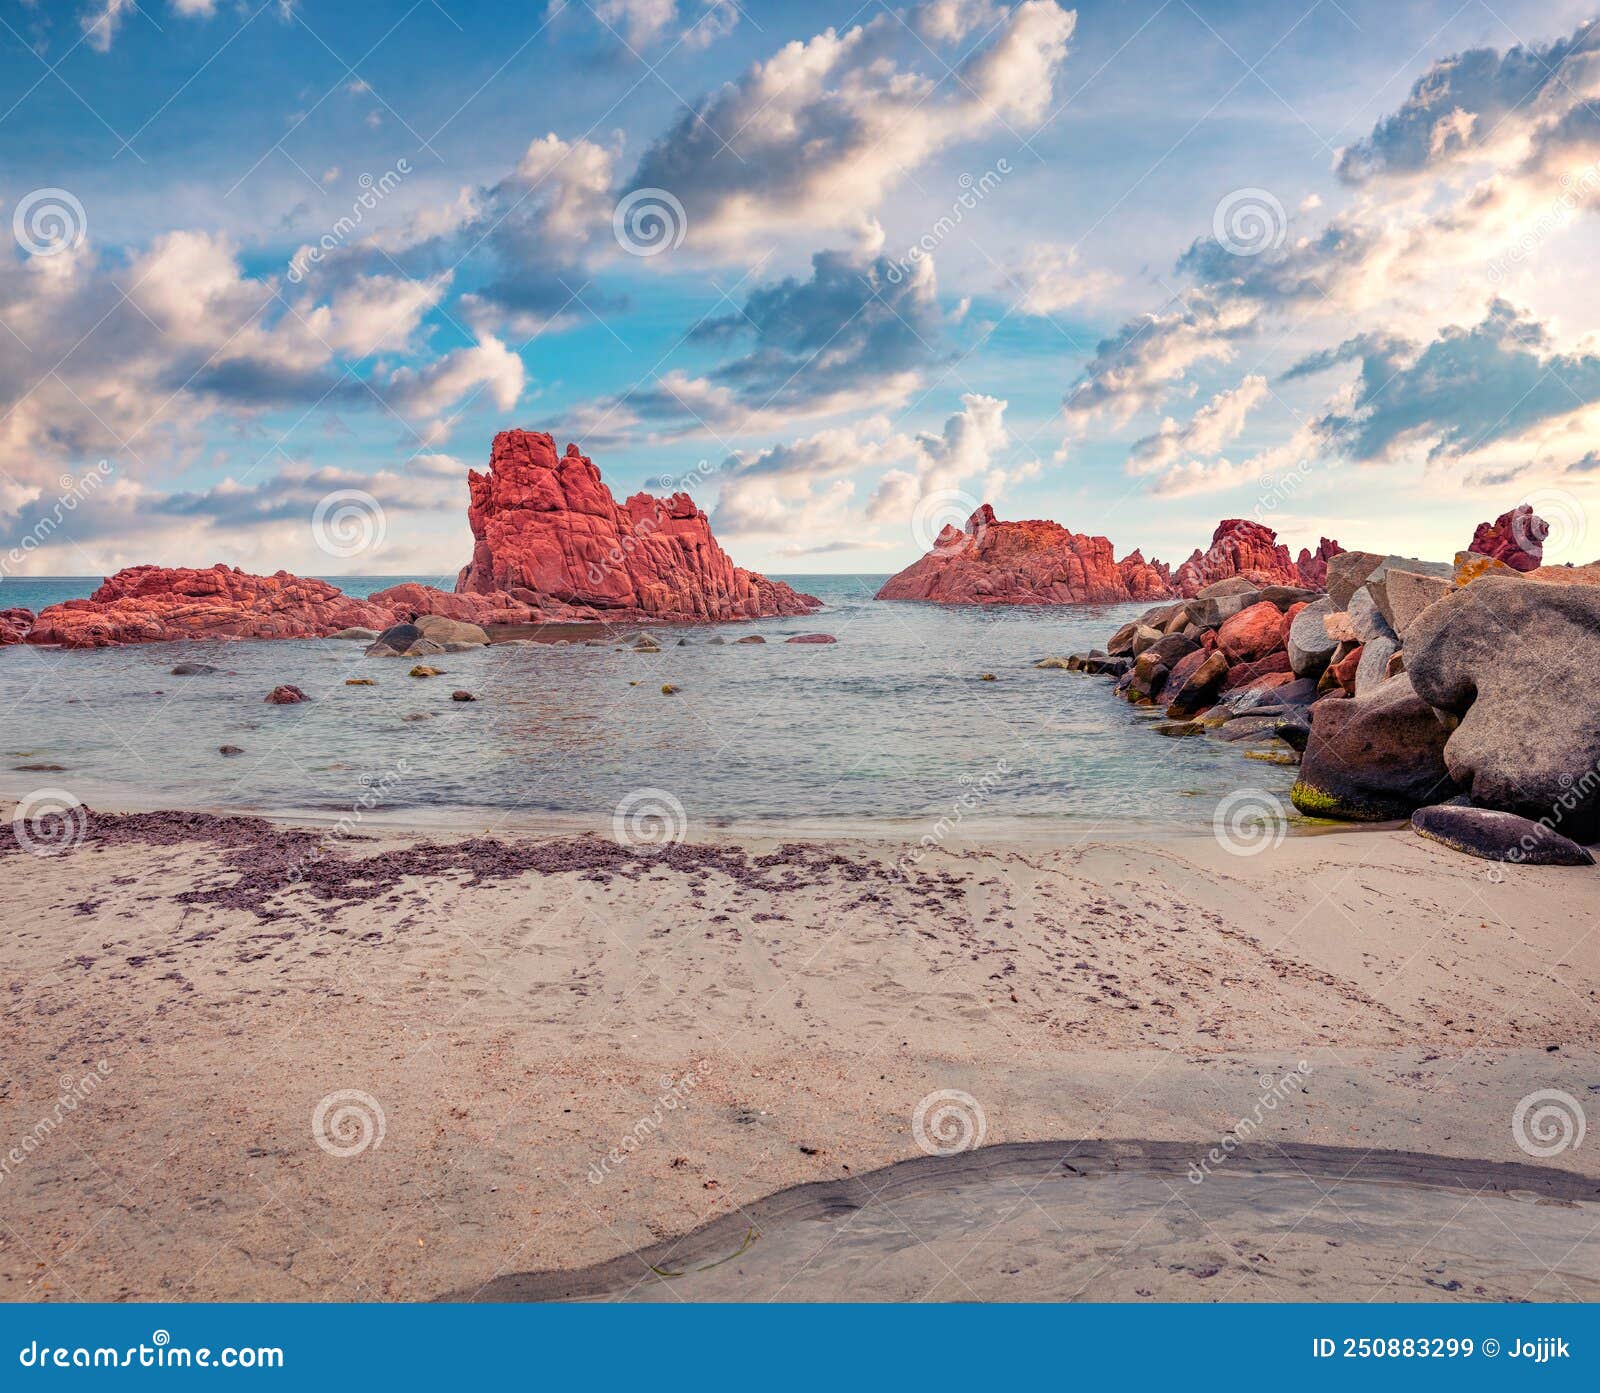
<point x="894" y="722"/>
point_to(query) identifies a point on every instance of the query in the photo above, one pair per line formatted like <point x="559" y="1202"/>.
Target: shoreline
<point x="396" y="1073"/>
<point x="447" y="819"/>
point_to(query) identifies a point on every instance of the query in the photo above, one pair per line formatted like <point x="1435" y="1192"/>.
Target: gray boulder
<point x="1372" y="669"/>
<point x="1170" y="647"/>
<point x="1209" y="611"/>
<point x="1378" y="583"/>
<point x="1373" y="757"/>
<point x="1310" y="648"/>
<point x="365" y="635"/>
<point x="1407" y="593"/>
<point x="1516" y="662"/>
<point x="1347" y="572"/>
<point x="447" y="631"/>
<point x="1285" y="595"/>
<point x="1365" y="616"/>
<point x="403" y="641"/>
<point x="1497" y="836"/>
<point x="1144" y="637"/>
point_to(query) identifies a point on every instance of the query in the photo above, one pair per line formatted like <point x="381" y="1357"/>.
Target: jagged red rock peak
<point x="547" y="531"/>
<point x="1240" y="547"/>
<point x="1025" y="563"/>
<point x="1516" y="537"/>
<point x="148" y="604"/>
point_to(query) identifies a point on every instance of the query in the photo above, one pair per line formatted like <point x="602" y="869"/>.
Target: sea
<point x="897" y="725"/>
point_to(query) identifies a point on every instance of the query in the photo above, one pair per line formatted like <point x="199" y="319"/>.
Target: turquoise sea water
<point x="893" y="722"/>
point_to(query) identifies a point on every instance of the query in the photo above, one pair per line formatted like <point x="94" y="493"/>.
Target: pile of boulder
<point x="1450" y="693"/>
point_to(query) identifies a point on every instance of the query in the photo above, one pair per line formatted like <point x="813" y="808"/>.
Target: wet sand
<point x="380" y="1066"/>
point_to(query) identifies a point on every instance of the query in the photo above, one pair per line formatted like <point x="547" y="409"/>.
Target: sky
<point x="278" y="270"/>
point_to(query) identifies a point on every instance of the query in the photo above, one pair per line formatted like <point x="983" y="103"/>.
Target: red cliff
<point x="1025" y="563"/>
<point x="1243" y="548"/>
<point x="147" y="604"/>
<point x="547" y="530"/>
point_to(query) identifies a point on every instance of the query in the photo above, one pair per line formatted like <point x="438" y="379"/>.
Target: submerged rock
<point x="193" y="669"/>
<point x="286" y="696"/>
<point x="1498" y="836"/>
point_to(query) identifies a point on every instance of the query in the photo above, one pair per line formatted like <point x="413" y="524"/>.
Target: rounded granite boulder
<point x="1498" y="836"/>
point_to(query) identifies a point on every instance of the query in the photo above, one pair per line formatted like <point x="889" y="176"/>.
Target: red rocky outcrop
<point x="1025" y="563"/>
<point x="547" y="532"/>
<point x="1517" y="538"/>
<point x="1243" y="548"/>
<point x="147" y="604"/>
<point x="14" y="625"/>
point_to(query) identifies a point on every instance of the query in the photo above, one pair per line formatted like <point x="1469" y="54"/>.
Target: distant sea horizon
<point x="35" y="592"/>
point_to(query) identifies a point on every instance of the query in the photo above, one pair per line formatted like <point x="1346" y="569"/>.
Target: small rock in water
<point x="1065" y="664"/>
<point x="812" y="638"/>
<point x="285" y="696"/>
<point x="192" y="669"/>
<point x="38" y="768"/>
<point x="750" y="638"/>
<point x="229" y="750"/>
<point x="1497" y="836"/>
<point x="359" y="682"/>
<point x="667" y="689"/>
<point x="987" y="677"/>
<point x="423" y="670"/>
<point x="462" y="696"/>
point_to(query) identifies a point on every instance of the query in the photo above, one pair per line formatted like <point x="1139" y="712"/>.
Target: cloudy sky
<point x="843" y="271"/>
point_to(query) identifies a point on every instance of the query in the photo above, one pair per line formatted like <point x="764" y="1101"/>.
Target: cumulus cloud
<point x="856" y="333"/>
<point x="820" y="133"/>
<point x="808" y="487"/>
<point x="1468" y="389"/>
<point x="1213" y="426"/>
<point x="129" y="357"/>
<point x="1140" y="365"/>
<point x="1468" y="103"/>
<point x="1048" y="279"/>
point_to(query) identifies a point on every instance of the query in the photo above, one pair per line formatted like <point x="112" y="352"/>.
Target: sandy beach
<point x="392" y="1067"/>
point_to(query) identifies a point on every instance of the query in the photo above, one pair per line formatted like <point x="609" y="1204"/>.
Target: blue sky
<point x="1135" y="267"/>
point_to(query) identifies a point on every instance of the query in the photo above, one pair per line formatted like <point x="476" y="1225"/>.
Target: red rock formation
<point x="145" y="604"/>
<point x="410" y="601"/>
<point x="1517" y="538"/>
<point x="547" y="532"/>
<point x="14" y="625"/>
<point x="1313" y="566"/>
<point x="1243" y="548"/>
<point x="1025" y="563"/>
